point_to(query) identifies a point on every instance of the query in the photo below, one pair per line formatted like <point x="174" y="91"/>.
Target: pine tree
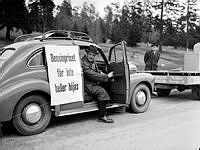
<point x="41" y="14"/>
<point x="63" y="19"/>
<point x="108" y="21"/>
<point x="167" y="8"/>
<point x="136" y="18"/>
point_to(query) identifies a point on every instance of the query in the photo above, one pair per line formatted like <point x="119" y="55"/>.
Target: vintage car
<point x="27" y="100"/>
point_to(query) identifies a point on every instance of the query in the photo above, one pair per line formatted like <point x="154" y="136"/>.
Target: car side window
<point x="98" y="57"/>
<point x="117" y="54"/>
<point x="6" y="53"/>
<point x="37" y="60"/>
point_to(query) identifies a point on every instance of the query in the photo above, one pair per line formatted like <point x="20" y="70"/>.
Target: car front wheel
<point x="140" y="99"/>
<point x="32" y="115"/>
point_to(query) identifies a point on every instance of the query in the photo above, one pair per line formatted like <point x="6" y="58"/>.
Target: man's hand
<point x="110" y="74"/>
<point x="102" y="72"/>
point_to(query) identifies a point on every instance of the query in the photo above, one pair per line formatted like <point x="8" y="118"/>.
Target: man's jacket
<point x="151" y="60"/>
<point x="92" y="75"/>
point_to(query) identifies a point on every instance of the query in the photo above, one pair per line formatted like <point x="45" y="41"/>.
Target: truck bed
<point x="176" y="77"/>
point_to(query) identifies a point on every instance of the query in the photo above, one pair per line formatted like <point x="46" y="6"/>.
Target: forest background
<point x="167" y="22"/>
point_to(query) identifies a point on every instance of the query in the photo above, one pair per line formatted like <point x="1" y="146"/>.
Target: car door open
<point x="119" y="88"/>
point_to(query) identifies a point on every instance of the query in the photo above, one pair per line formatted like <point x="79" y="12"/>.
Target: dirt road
<point x="171" y="123"/>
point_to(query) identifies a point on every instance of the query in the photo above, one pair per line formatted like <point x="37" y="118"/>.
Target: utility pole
<point x="161" y="27"/>
<point x="187" y="27"/>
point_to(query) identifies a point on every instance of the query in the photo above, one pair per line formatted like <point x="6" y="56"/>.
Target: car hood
<point x="132" y="67"/>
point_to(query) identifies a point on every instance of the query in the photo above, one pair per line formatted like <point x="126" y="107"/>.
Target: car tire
<point x="140" y="99"/>
<point x="32" y="115"/>
<point x="163" y="92"/>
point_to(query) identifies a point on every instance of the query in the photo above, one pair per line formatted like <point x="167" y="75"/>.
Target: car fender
<point x="141" y="78"/>
<point x="11" y="94"/>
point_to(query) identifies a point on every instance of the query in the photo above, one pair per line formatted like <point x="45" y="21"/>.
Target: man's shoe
<point x="105" y="119"/>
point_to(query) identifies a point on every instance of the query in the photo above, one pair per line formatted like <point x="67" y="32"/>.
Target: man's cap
<point x="154" y="44"/>
<point x="92" y="49"/>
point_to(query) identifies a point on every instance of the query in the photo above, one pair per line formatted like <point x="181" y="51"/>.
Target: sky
<point x="101" y="4"/>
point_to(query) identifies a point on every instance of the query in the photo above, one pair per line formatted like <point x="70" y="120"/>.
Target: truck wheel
<point x="196" y="93"/>
<point x="32" y="115"/>
<point x="140" y="99"/>
<point x="163" y="92"/>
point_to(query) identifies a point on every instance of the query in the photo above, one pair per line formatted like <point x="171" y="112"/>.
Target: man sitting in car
<point x="92" y="76"/>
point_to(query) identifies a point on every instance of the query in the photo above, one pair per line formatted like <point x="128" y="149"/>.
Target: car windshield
<point x="5" y="54"/>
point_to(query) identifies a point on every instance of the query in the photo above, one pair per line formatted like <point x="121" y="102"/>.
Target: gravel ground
<point x="171" y="123"/>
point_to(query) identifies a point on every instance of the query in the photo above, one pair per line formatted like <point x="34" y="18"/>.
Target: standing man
<point x="151" y="58"/>
<point x="92" y="78"/>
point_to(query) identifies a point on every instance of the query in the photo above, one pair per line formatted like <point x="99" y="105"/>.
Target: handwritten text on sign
<point x="64" y="71"/>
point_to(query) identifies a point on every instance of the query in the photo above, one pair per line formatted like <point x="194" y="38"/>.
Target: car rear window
<point x="6" y="53"/>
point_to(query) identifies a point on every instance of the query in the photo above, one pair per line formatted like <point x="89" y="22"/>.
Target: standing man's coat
<point x="151" y="59"/>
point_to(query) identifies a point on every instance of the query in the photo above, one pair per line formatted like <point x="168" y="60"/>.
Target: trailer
<point x="188" y="78"/>
<point x="165" y="81"/>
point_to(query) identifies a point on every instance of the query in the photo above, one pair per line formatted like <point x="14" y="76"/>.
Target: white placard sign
<point x="64" y="72"/>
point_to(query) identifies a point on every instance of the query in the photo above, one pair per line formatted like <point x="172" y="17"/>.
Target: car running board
<point x="86" y="108"/>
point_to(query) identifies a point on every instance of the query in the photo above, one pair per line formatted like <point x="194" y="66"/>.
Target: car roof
<point x="26" y="37"/>
<point x="55" y="34"/>
<point x="25" y="46"/>
<point x="53" y="42"/>
<point x="66" y="39"/>
<point x="29" y="46"/>
<point x="55" y="37"/>
<point x="16" y="45"/>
